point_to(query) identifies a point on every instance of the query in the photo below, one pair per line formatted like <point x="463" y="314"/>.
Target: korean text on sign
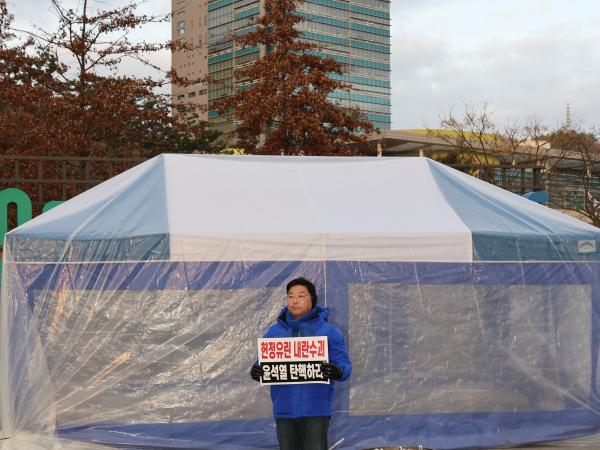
<point x="286" y="372"/>
<point x="312" y="348"/>
<point x="293" y="360"/>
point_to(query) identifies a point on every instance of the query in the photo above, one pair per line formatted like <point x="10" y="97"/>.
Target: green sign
<point x="24" y="211"/>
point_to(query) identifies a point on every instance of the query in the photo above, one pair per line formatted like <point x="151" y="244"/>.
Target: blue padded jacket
<point x="309" y="400"/>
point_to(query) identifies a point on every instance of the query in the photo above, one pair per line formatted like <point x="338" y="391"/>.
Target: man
<point x="302" y="411"/>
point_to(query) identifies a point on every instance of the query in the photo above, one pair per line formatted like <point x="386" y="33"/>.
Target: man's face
<point x="299" y="301"/>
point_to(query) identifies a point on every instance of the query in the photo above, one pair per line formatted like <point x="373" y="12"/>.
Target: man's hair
<point x="301" y="281"/>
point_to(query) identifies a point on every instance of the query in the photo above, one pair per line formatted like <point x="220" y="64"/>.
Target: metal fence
<point x="566" y="189"/>
<point x="47" y="178"/>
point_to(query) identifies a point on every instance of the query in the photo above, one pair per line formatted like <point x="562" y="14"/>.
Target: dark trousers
<point x="305" y="433"/>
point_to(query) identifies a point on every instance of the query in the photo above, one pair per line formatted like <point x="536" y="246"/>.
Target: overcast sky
<point x="523" y="57"/>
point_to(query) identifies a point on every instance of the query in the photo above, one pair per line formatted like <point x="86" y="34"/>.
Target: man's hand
<point x="256" y="372"/>
<point x="331" y="371"/>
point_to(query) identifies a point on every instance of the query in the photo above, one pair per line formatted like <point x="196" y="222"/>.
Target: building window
<point x="181" y="27"/>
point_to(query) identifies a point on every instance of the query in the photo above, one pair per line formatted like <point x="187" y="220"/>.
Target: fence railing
<point x="47" y="178"/>
<point x="566" y="189"/>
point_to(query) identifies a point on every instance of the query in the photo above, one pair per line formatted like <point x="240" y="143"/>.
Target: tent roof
<point x="259" y="207"/>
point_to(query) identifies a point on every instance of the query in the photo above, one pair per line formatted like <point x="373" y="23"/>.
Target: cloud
<point x="528" y="59"/>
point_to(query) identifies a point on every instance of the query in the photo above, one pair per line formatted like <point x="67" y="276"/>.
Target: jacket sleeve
<point x="271" y="332"/>
<point x="338" y="354"/>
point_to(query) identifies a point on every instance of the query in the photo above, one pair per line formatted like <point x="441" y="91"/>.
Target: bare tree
<point x="476" y="141"/>
<point x="582" y="178"/>
<point x="473" y="133"/>
<point x="90" y="107"/>
<point x="473" y="139"/>
<point x="563" y="160"/>
<point x="63" y="93"/>
<point x="529" y="146"/>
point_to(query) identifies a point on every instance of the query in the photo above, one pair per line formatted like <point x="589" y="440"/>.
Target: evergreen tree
<point x="287" y="103"/>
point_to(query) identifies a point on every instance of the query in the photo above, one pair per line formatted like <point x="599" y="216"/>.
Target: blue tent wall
<point x="432" y="429"/>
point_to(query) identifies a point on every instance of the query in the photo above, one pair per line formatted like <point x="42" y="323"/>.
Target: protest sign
<point x="293" y="360"/>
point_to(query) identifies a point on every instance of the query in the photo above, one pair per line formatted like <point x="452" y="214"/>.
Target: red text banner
<point x="293" y="360"/>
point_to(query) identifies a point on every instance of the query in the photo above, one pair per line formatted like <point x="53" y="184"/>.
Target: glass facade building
<point x="354" y="32"/>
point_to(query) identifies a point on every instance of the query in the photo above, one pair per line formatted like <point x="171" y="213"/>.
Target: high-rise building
<point x="190" y="24"/>
<point x="354" y="32"/>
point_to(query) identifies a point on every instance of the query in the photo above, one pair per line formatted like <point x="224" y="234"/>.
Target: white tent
<point x="130" y="312"/>
<point x="255" y="208"/>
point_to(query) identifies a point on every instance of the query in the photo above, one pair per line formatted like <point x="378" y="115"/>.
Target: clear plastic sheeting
<point x="113" y="353"/>
<point x="110" y="338"/>
<point x="449" y="353"/>
<point x="175" y="355"/>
